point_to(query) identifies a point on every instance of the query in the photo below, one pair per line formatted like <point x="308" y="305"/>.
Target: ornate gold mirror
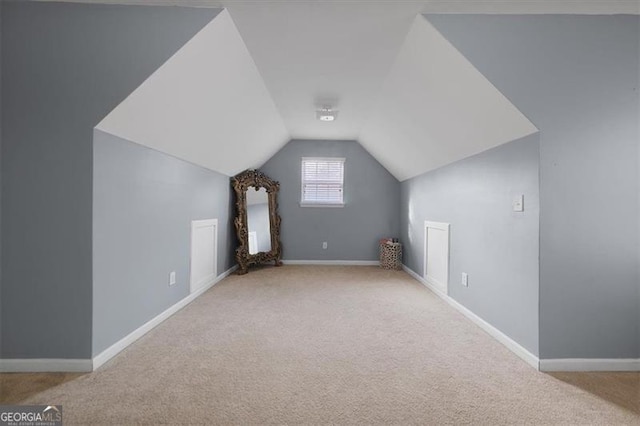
<point x="257" y="221"/>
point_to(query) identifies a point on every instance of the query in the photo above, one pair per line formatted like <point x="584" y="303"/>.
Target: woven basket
<point x="391" y="256"/>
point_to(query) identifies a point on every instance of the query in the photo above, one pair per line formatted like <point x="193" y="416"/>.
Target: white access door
<point x="204" y="241"/>
<point x="436" y="254"/>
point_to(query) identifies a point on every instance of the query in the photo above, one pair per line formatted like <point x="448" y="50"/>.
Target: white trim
<point x="333" y="262"/>
<point x="307" y="203"/>
<point x="426" y="283"/>
<point x="443" y="287"/>
<point x="46" y="365"/>
<point x="334" y="205"/>
<point x="587" y="364"/>
<point x="512" y="345"/>
<point x="196" y="224"/>
<point x="341" y="159"/>
<point x="437" y="225"/>
<point x="121" y="344"/>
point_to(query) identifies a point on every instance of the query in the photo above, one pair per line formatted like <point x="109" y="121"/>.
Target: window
<point x="322" y="182"/>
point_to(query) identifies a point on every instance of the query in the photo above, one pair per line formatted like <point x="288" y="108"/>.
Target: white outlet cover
<point x="465" y="279"/>
<point x="172" y="278"/>
<point x="518" y="203"/>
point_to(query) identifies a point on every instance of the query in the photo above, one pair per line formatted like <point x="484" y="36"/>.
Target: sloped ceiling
<point x="436" y="108"/>
<point x="233" y="96"/>
<point x="312" y="54"/>
<point x="207" y="104"/>
<point x="519" y="7"/>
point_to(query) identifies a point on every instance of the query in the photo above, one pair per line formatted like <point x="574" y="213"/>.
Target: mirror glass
<point x="258" y="220"/>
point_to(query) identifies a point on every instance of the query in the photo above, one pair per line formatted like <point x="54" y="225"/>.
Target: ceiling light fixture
<point x="326" y="114"/>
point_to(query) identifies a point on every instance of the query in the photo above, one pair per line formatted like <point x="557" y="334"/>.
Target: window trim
<point x="304" y="203"/>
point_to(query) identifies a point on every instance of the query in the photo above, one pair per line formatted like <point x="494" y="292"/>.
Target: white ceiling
<point x="436" y="108"/>
<point x="314" y="54"/>
<point x="578" y="7"/>
<point x="401" y="89"/>
<point x="207" y="104"/>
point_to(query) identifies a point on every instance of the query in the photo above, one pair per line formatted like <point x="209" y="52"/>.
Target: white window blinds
<point x="322" y="181"/>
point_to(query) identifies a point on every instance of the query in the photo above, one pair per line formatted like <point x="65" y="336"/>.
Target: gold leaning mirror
<point x="257" y="221"/>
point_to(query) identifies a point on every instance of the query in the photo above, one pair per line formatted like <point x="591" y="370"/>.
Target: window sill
<point x="322" y="205"/>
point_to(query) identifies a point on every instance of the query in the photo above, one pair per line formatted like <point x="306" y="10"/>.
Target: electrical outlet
<point x="465" y="279"/>
<point x="324" y="245"/>
<point x="172" y="277"/>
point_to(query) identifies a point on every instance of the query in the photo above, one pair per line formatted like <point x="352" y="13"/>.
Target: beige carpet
<point x="325" y="345"/>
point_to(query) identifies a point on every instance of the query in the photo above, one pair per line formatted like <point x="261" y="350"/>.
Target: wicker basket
<point x="391" y="255"/>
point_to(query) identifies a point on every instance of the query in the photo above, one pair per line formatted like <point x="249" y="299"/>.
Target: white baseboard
<point x="590" y="364"/>
<point x="121" y="344"/>
<point x="511" y="344"/>
<point x="333" y="262"/>
<point x="43" y="365"/>
<point x="87" y="365"/>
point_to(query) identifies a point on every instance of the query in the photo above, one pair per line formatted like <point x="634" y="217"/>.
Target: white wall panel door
<point x="204" y="241"/>
<point x="436" y="254"/>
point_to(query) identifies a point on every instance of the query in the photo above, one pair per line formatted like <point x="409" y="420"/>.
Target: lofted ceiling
<point x="576" y="7"/>
<point x="436" y="108"/>
<point x="252" y="79"/>
<point x="315" y="54"/>
<point x="207" y="104"/>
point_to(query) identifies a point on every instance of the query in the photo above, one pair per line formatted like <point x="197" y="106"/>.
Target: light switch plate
<point x="172" y="278"/>
<point x="518" y="203"/>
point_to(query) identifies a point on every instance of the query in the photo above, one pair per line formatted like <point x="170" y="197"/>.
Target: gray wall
<point x="1" y="2"/>
<point x="576" y="78"/>
<point x="496" y="246"/>
<point x="258" y="222"/>
<point x="143" y="205"/>
<point x="64" y="67"/>
<point x="371" y="193"/>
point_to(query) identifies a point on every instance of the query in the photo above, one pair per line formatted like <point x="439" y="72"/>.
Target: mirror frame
<point x="241" y="183"/>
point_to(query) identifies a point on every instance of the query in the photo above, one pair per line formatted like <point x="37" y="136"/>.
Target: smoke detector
<point x="326" y="114"/>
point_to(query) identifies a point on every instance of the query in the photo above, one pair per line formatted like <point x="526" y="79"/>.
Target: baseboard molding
<point x="428" y="284"/>
<point x="590" y="364"/>
<point x="87" y="365"/>
<point x="44" y="365"/>
<point x="510" y="344"/>
<point x="333" y="262"/>
<point x="121" y="344"/>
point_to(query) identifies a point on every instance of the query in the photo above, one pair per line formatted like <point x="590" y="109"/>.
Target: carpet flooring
<point x="325" y="345"/>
